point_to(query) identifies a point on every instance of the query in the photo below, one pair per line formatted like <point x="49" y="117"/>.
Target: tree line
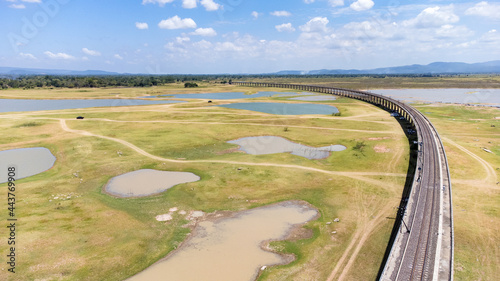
<point x="73" y="81"/>
<point x="40" y="81"/>
<point x="68" y="81"/>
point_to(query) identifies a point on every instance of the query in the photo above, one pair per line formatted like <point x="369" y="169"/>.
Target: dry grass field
<point x="92" y="236"/>
<point x="466" y="132"/>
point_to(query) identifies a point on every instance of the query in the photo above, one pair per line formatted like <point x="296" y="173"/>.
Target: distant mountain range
<point x="16" y="71"/>
<point x="433" y="68"/>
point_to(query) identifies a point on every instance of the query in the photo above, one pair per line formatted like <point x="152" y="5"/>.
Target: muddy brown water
<point x="146" y="182"/>
<point x="230" y="248"/>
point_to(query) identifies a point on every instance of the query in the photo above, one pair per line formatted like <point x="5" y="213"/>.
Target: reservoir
<point x="227" y="96"/>
<point x="272" y="144"/>
<point x="285" y="108"/>
<point x="315" y="98"/>
<point x="15" y="105"/>
<point x="230" y="248"/>
<point x="464" y="96"/>
<point x="147" y="182"/>
<point x="27" y="161"/>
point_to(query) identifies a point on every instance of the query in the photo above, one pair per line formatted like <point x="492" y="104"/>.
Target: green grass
<point x="475" y="199"/>
<point x="93" y="236"/>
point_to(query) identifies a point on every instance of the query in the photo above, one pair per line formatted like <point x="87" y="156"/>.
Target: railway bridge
<point x="421" y="245"/>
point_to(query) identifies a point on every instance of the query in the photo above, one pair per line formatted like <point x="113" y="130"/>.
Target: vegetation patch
<point x="119" y="237"/>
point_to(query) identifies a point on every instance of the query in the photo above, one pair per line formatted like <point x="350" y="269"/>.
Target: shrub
<point x="190" y="85"/>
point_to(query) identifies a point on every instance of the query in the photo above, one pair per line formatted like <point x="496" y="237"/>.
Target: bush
<point x="190" y="85"/>
<point x="360" y="146"/>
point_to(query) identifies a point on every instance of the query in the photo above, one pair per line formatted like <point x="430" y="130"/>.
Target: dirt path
<point x="22" y="116"/>
<point x="395" y="159"/>
<point x="247" y="124"/>
<point x="491" y="175"/>
<point x="362" y="234"/>
<point x="65" y="127"/>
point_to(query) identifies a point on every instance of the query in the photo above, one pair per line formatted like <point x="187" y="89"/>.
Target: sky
<point x="244" y="36"/>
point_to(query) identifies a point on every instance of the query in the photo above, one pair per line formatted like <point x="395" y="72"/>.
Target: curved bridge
<point x="423" y="248"/>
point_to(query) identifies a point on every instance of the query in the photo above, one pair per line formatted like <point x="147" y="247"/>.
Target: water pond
<point x="229" y="248"/>
<point x="464" y="96"/>
<point x="146" y="182"/>
<point x="15" y="105"/>
<point x="285" y="108"/>
<point x="315" y="98"/>
<point x="272" y="144"/>
<point x="26" y="161"/>
<point x="227" y="96"/>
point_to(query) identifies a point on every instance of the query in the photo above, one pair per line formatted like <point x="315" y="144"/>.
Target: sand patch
<point x="381" y="149"/>
<point x="374" y="139"/>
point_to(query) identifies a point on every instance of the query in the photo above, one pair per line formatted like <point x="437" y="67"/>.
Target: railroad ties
<point x="426" y="251"/>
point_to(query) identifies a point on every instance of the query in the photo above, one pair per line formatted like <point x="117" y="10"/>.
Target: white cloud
<point x="336" y="3"/>
<point x="485" y="9"/>
<point x="91" y="52"/>
<point x="317" y="24"/>
<point x="308" y="1"/>
<point x="117" y="56"/>
<point x="182" y="39"/>
<point x="433" y="17"/>
<point x="491" y="37"/>
<point x="281" y="14"/>
<point x="286" y="27"/>
<point x="362" y="5"/>
<point x="27" y="55"/>
<point x="22" y="6"/>
<point x="17" y="6"/>
<point x="59" y="56"/>
<point x="204" y="32"/>
<point x="161" y="3"/>
<point x="203" y="44"/>
<point x="189" y="4"/>
<point x="227" y="46"/>
<point x="255" y="15"/>
<point x="210" y="5"/>
<point x="141" y="25"/>
<point x="176" y="22"/>
<point x="370" y="30"/>
<point x="450" y="31"/>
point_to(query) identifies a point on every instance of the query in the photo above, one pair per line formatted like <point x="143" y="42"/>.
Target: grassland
<point x="92" y="236"/>
<point x="466" y="132"/>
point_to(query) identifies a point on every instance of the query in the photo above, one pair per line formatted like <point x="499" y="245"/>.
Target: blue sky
<point x="244" y="36"/>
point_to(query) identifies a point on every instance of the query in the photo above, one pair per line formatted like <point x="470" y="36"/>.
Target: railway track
<point x="419" y="255"/>
<point x="426" y="251"/>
